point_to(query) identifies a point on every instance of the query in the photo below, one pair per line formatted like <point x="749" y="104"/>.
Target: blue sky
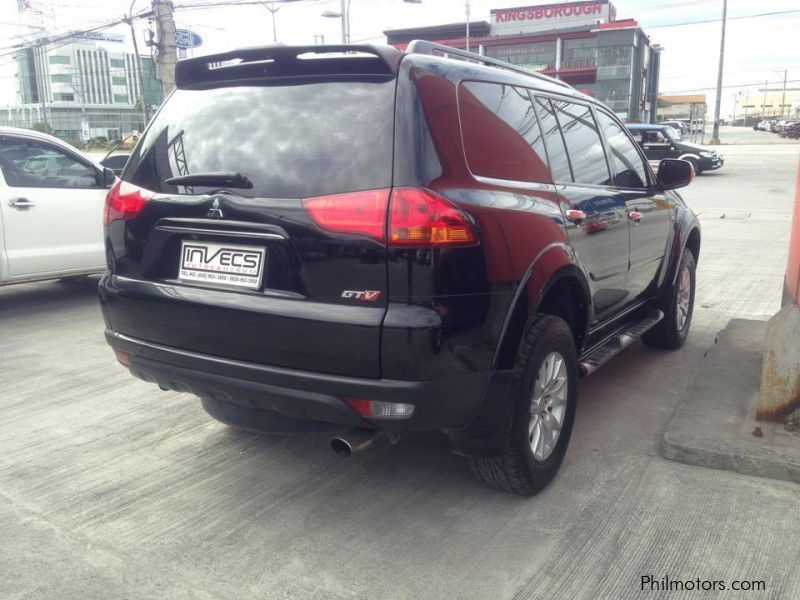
<point x="757" y="49"/>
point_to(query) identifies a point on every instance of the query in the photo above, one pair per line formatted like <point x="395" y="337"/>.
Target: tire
<point x="518" y="469"/>
<point x="671" y="332"/>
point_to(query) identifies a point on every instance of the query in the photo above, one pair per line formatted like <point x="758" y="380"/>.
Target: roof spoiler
<point x="280" y="62"/>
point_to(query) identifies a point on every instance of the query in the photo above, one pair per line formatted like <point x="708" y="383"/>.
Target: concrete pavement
<point x="110" y="488"/>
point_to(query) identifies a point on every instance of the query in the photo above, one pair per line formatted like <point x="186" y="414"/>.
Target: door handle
<point x="21" y="203"/>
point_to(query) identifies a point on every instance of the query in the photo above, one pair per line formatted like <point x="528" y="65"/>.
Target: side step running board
<point x="600" y="355"/>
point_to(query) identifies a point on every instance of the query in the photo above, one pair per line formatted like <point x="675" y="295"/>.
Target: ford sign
<point x="187" y="39"/>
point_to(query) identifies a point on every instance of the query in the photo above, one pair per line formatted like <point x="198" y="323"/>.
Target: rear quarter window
<point x="292" y="141"/>
<point x="502" y="139"/>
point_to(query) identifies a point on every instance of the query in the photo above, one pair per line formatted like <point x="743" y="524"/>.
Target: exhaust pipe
<point x="354" y="441"/>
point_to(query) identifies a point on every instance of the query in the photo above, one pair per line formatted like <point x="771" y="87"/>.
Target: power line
<point x="766" y="14"/>
<point x="737" y="85"/>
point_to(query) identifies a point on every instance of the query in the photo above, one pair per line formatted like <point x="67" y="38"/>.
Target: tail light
<point x="358" y="212"/>
<point x="417" y="218"/>
<point x="125" y="201"/>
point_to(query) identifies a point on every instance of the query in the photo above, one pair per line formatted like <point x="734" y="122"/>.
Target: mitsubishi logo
<point x="215" y="212"/>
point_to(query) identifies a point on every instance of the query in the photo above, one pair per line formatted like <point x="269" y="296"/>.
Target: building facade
<point x="82" y="90"/>
<point x="767" y="103"/>
<point x="681" y="106"/>
<point x="582" y="43"/>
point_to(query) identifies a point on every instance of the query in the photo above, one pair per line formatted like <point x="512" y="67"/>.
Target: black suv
<point x="360" y="241"/>
<point x="660" y="142"/>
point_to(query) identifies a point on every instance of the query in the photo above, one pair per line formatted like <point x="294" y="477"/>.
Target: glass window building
<point x="582" y="43"/>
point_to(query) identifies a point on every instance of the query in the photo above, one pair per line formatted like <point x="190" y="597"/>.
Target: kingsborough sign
<point x="550" y="16"/>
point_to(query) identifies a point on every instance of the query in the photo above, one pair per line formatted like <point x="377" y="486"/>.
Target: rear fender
<point x="486" y="434"/>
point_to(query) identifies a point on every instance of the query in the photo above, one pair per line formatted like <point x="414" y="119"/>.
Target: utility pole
<point x="167" y="54"/>
<point x="764" y="101"/>
<point x="466" y="12"/>
<point x="783" y="98"/>
<point x="715" y="134"/>
<point x="345" y="24"/>
<point x="137" y="65"/>
<point x="746" y="105"/>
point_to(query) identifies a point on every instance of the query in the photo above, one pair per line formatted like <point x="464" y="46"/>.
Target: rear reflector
<point x="125" y="201"/>
<point x="376" y="409"/>
<point x="123" y="357"/>
<point x="361" y="213"/>
<point x="417" y="217"/>
<point x="421" y="218"/>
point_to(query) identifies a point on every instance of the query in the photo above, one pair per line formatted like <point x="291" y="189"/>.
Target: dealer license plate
<point x="222" y="264"/>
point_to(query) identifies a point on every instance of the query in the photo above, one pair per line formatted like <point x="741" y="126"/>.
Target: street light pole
<point x="715" y="134"/>
<point x="783" y="98"/>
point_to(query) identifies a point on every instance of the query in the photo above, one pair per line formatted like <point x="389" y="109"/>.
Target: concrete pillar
<point x="780" y="377"/>
<point x="558" y="56"/>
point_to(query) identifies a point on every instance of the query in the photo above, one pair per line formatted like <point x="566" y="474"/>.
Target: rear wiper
<point x="219" y="179"/>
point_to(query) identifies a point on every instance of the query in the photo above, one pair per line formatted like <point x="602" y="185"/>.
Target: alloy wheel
<point x="548" y="406"/>
<point x="683" y="299"/>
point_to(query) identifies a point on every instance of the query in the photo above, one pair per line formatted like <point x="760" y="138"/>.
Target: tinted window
<point x="290" y="141"/>
<point x="556" y="152"/>
<point x="583" y="143"/>
<point x="628" y="166"/>
<point x="36" y="164"/>
<point x="501" y="135"/>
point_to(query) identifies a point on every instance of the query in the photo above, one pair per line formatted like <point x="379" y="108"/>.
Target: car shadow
<point x="32" y="299"/>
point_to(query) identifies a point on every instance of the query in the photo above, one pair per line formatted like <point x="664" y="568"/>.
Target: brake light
<point x="417" y="217"/>
<point x="361" y="213"/>
<point x="125" y="201"/>
<point x="421" y="218"/>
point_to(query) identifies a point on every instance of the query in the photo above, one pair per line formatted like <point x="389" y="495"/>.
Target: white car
<point x="51" y="208"/>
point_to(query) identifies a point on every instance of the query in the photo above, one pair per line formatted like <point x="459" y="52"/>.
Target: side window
<point x="629" y="168"/>
<point x="556" y="151"/>
<point x="583" y="143"/>
<point x="501" y="136"/>
<point x="28" y="163"/>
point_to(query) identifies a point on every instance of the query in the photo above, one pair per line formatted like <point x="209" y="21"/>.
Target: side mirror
<point x="674" y="173"/>
<point x="109" y="177"/>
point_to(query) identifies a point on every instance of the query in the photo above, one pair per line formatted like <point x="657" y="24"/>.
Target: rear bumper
<point x="314" y="399"/>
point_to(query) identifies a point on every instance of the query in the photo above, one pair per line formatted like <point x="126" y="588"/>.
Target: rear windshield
<point x="289" y="141"/>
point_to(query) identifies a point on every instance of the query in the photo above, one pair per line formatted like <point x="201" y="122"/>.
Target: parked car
<point x="793" y="130"/>
<point x="116" y="162"/>
<point x="783" y="126"/>
<point x="681" y="127"/>
<point x="658" y="142"/>
<point x="410" y="258"/>
<point x="51" y="207"/>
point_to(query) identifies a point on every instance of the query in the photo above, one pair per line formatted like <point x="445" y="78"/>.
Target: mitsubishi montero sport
<point x="359" y="241"/>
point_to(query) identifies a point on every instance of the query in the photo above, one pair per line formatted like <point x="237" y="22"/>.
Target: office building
<point x="582" y="43"/>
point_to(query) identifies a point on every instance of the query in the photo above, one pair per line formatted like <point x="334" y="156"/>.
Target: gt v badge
<point x="365" y="295"/>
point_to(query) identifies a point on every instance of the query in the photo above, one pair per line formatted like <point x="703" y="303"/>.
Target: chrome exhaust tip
<point x="354" y="441"/>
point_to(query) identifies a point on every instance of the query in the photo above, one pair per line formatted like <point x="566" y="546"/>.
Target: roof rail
<point x="280" y="61"/>
<point x="432" y="48"/>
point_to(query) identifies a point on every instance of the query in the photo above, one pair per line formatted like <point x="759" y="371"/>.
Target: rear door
<point x="52" y="207"/>
<point x="288" y="271"/>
